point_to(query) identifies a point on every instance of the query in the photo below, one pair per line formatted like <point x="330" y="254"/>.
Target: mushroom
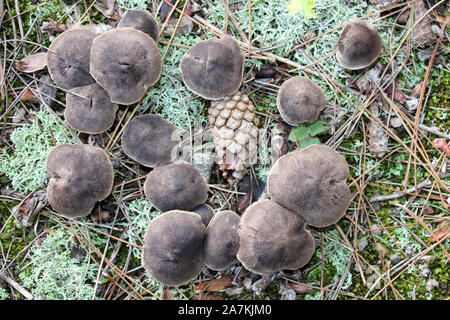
<point x="125" y="62"/>
<point x="272" y="238"/>
<point x="312" y="183"/>
<point x="221" y="241"/>
<point x="300" y="100"/>
<point x="173" y="247"/>
<point x="80" y="175"/>
<point x="142" y="21"/>
<point x="150" y="140"/>
<point x="205" y="212"/>
<point x="359" y="45"/>
<point x="89" y="109"/>
<point x="213" y="68"/>
<point x="176" y="186"/>
<point x="68" y="58"/>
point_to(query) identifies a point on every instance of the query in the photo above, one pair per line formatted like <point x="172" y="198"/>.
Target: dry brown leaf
<point x="32" y="63"/>
<point x="444" y="230"/>
<point x="109" y="9"/>
<point x="167" y="295"/>
<point x="299" y="288"/>
<point x="215" y="284"/>
<point x="399" y="96"/>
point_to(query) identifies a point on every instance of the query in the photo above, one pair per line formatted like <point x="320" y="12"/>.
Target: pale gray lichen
<point x="170" y="97"/>
<point x="337" y="257"/>
<point x="25" y="166"/>
<point x="128" y="5"/>
<point x="3" y="294"/>
<point x="54" y="274"/>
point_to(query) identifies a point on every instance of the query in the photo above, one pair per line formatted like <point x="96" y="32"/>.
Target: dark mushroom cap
<point x="312" y="183"/>
<point x="273" y="238"/>
<point x="125" y="62"/>
<point x="359" y="45"/>
<point x="213" y="68"/>
<point x="89" y="109"/>
<point x="221" y="241"/>
<point x="68" y="58"/>
<point x="173" y="247"/>
<point x="80" y="175"/>
<point x="205" y="212"/>
<point x="300" y="100"/>
<point x="142" y="21"/>
<point x="150" y="140"/>
<point x="176" y="186"/>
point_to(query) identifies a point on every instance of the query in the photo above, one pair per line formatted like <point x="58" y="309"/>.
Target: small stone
<point x="395" y="258"/>
<point x="287" y="294"/>
<point x="396" y="122"/>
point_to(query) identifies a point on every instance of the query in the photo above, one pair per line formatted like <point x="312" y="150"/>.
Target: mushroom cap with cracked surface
<point x="89" y="109"/>
<point x="68" y="58"/>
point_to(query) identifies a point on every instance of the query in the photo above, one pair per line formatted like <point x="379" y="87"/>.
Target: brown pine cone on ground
<point x="234" y="134"/>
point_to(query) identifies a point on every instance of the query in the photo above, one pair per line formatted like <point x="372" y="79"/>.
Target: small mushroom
<point x="359" y="45"/>
<point x="312" y="183"/>
<point x="221" y="241"/>
<point x="80" y="175"/>
<point x="68" y="58"/>
<point x="89" y="109"/>
<point x="150" y="140"/>
<point x="213" y="68"/>
<point x="205" y="212"/>
<point x="300" y="100"/>
<point x="125" y="62"/>
<point x="173" y="247"/>
<point x="176" y="186"/>
<point x="142" y="21"/>
<point x="273" y="238"/>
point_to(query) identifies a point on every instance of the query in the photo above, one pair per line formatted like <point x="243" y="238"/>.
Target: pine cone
<point x="234" y="134"/>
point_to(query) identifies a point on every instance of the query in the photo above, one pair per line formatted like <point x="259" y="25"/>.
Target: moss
<point x="26" y="165"/>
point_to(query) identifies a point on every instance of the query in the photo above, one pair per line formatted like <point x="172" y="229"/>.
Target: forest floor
<point x="390" y="121"/>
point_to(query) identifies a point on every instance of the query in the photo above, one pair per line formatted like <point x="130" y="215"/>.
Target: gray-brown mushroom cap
<point x="142" y="21"/>
<point x="312" y="183"/>
<point x="176" y="186"/>
<point x="173" y="247"/>
<point x="359" y="45"/>
<point x="221" y="241"/>
<point x="273" y="238"/>
<point x="80" y="175"/>
<point x="205" y="212"/>
<point x="300" y="100"/>
<point x="150" y="140"/>
<point x="125" y="62"/>
<point x="89" y="109"/>
<point x="213" y="68"/>
<point x="68" y="58"/>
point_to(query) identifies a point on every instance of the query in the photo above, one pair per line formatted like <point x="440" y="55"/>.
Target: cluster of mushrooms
<point x="305" y="187"/>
